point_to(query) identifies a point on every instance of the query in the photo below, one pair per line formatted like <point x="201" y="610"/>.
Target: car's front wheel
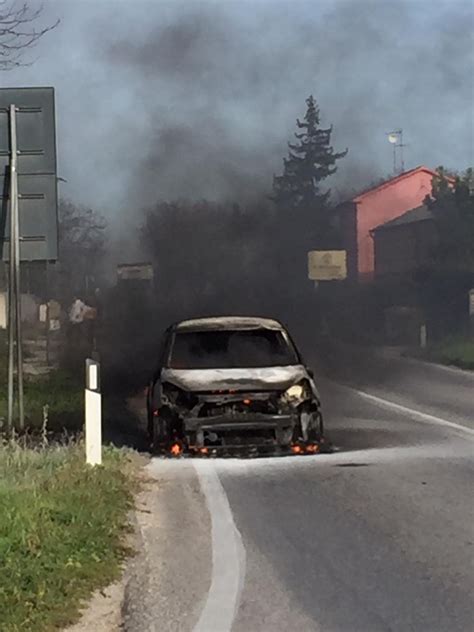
<point x="310" y="425"/>
<point x="166" y="430"/>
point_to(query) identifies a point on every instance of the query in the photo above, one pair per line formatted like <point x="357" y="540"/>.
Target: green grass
<point x="453" y="351"/>
<point x="62" y="527"/>
<point x="60" y="390"/>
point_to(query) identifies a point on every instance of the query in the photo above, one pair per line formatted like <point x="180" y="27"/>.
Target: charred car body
<point x="229" y="383"/>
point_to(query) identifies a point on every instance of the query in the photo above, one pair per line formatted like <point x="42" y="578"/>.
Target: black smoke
<point x="216" y="91"/>
<point x="219" y="85"/>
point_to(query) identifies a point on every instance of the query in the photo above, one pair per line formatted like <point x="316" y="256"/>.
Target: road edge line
<point x="228" y="555"/>
<point x="446" y="368"/>
<point x="423" y="417"/>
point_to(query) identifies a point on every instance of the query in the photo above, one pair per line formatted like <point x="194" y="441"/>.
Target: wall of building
<point x="347" y="225"/>
<point x="382" y="205"/>
<point x="29" y="309"/>
<point x="394" y="251"/>
<point x="404" y="248"/>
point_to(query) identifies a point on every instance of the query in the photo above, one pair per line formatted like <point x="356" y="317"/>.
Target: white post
<point x="93" y="408"/>
<point x="471" y="312"/>
<point x="423" y="336"/>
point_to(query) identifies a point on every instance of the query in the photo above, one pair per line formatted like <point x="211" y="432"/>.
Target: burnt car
<point x="226" y="383"/>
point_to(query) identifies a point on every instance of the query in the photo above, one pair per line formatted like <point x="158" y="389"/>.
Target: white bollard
<point x="423" y="336"/>
<point x="93" y="409"/>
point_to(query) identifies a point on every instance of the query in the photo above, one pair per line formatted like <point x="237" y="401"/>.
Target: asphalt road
<point x="376" y="537"/>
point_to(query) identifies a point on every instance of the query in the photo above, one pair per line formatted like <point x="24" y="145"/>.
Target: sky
<point x="163" y="100"/>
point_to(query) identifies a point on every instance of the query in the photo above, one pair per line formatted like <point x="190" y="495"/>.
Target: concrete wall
<point x="29" y="309"/>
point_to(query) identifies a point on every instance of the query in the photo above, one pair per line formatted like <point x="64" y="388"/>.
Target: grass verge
<point x="62" y="528"/>
<point x="60" y="392"/>
<point x="452" y="352"/>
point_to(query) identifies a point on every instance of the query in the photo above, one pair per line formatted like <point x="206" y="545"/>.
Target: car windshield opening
<point x="231" y="350"/>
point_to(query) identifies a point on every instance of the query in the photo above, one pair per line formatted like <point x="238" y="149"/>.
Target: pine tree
<point x="303" y="218"/>
<point x="309" y="162"/>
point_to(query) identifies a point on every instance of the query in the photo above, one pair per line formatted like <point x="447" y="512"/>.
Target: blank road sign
<point x="39" y="229"/>
<point x="36" y="137"/>
<point x="135" y="272"/>
<point x="37" y="175"/>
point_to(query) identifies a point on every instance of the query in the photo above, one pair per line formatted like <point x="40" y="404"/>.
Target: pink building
<point x="372" y="208"/>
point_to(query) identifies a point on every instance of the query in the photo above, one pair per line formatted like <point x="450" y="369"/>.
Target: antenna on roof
<point x="395" y="138"/>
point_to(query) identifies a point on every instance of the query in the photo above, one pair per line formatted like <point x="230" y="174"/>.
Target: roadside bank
<point x="62" y="531"/>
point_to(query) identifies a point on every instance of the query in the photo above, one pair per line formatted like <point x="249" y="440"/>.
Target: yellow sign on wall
<point x="327" y="265"/>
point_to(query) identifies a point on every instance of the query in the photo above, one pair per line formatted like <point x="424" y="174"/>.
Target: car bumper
<point x="250" y="429"/>
<point x="242" y="423"/>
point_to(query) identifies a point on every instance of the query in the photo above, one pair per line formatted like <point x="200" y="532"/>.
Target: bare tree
<point x="82" y="238"/>
<point x="18" y="32"/>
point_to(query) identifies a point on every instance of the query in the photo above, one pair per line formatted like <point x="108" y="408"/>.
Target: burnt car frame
<point x="205" y="398"/>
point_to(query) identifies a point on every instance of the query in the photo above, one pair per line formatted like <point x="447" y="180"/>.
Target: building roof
<point x="414" y="215"/>
<point x="228" y="323"/>
<point x="389" y="182"/>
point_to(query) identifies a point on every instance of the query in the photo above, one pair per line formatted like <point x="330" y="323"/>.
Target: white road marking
<point x="228" y="555"/>
<point x="416" y="414"/>
<point x="454" y="370"/>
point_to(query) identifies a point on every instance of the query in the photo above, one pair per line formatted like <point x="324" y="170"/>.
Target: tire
<point x="155" y="444"/>
<point x="150" y="426"/>
<point x="166" y="430"/>
<point x="149" y="409"/>
<point x="159" y="437"/>
<point x="314" y="429"/>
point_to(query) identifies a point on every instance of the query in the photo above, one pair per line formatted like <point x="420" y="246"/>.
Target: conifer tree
<point x="310" y="161"/>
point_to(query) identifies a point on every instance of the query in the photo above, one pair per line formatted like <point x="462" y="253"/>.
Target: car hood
<point x="265" y="379"/>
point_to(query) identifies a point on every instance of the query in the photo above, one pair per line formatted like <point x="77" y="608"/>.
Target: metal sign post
<point x="325" y="267"/>
<point x="14" y="292"/>
<point x="28" y="195"/>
